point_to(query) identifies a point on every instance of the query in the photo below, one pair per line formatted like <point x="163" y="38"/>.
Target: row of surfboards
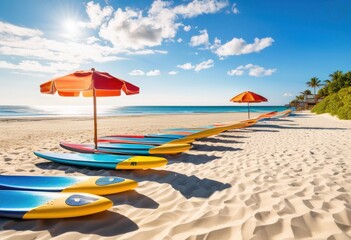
<point x="133" y="151"/>
<point x="38" y="197"/>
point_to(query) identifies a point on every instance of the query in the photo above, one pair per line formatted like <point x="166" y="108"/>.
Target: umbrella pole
<point x="95" y="119"/>
<point x="248" y="112"/>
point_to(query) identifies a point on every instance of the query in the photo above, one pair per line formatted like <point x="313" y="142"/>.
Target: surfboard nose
<point x="69" y="205"/>
<point x="126" y="185"/>
<point x="115" y="184"/>
<point x="103" y="185"/>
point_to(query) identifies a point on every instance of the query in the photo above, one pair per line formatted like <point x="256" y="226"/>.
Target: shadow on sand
<point x="299" y="115"/>
<point x="218" y="140"/>
<point x="188" y="186"/>
<point x="256" y="129"/>
<point x="104" y="224"/>
<point x="289" y="127"/>
<point x="190" y="158"/>
<point x="278" y="120"/>
<point x="231" y="136"/>
<point x="133" y="198"/>
<point x="206" y="148"/>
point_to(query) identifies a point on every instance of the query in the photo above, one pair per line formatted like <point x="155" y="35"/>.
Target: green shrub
<point x="334" y="104"/>
<point x="321" y="106"/>
<point x="338" y="104"/>
<point x="323" y="92"/>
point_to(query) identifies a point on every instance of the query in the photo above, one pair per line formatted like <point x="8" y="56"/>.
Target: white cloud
<point x="253" y="70"/>
<point x="146" y="52"/>
<point x="36" y="75"/>
<point x="186" y="66"/>
<point x="258" y="71"/>
<point x="204" y="65"/>
<point x="132" y="29"/>
<point x="96" y="14"/>
<point x="13" y="30"/>
<point x="217" y="43"/>
<point x="180" y="40"/>
<point x="198" y="67"/>
<point x="123" y="31"/>
<point x="136" y="72"/>
<point x="92" y="40"/>
<point x="45" y="49"/>
<point x="187" y="28"/>
<point x="198" y="7"/>
<point x="238" y="46"/>
<point x="235" y="72"/>
<point x="235" y="10"/>
<point x="31" y="45"/>
<point x="173" y="73"/>
<point x="201" y="39"/>
<point x="287" y="95"/>
<point x="35" y="66"/>
<point x="155" y="72"/>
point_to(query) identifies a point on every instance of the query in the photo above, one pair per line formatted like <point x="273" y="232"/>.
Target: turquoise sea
<point x="33" y="111"/>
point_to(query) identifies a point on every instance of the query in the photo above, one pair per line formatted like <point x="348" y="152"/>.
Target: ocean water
<point x="47" y="111"/>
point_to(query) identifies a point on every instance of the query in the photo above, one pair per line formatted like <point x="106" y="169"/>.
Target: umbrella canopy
<point x="90" y="83"/>
<point x="248" y="97"/>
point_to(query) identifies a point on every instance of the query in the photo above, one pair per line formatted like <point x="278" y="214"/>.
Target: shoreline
<point x="142" y="111"/>
<point x="84" y="117"/>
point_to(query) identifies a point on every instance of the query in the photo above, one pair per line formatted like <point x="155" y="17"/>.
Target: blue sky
<point x="178" y="53"/>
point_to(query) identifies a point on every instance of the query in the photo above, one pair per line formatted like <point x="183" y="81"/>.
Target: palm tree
<point x="306" y="92"/>
<point x="299" y="98"/>
<point x="313" y="83"/>
<point x="336" y="75"/>
<point x="326" y="82"/>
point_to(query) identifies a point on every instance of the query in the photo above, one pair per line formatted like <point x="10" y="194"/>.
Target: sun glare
<point x="71" y="28"/>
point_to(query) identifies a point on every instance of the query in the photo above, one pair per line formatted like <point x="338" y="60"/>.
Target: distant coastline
<point x="85" y="111"/>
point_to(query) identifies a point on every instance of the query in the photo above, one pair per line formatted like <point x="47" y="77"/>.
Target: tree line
<point x="336" y="81"/>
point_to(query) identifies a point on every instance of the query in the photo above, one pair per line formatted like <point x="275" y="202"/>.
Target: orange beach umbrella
<point x="90" y="83"/>
<point x="248" y="97"/>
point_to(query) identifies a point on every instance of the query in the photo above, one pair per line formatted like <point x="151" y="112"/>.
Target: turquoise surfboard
<point x="108" y="161"/>
<point x="144" y="140"/>
<point x="131" y="149"/>
<point x="168" y="137"/>
<point x="41" y="205"/>
<point x="94" y="185"/>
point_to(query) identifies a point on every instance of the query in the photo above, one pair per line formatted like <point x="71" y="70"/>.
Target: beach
<point x="287" y="178"/>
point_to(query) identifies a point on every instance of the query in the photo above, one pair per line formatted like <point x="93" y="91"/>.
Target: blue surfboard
<point x="40" y="205"/>
<point x="131" y="149"/>
<point x="168" y="137"/>
<point x="107" y="161"/>
<point x="164" y="135"/>
<point x="144" y="140"/>
<point x="95" y="185"/>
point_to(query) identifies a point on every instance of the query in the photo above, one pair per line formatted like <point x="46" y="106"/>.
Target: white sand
<point x="282" y="179"/>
